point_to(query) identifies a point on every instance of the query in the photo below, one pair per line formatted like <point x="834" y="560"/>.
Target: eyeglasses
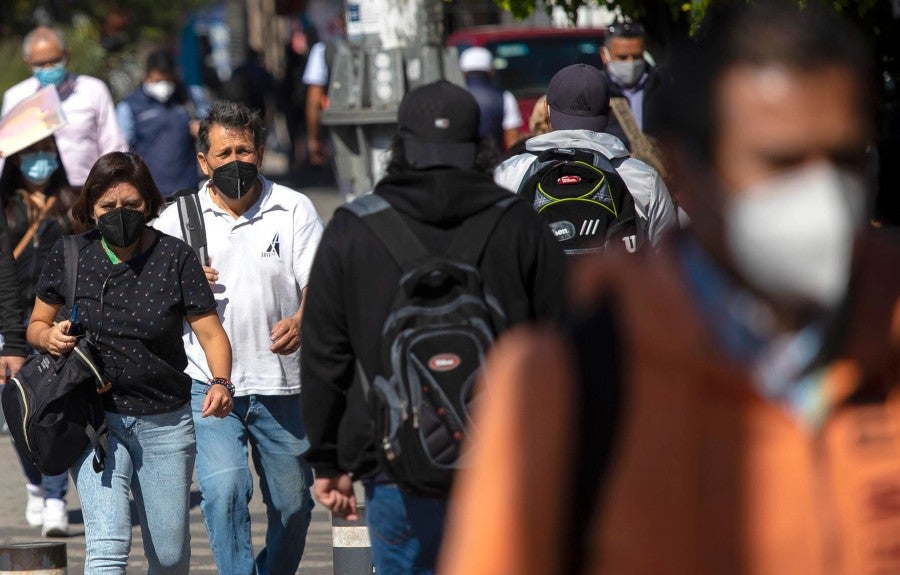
<point x="49" y="63"/>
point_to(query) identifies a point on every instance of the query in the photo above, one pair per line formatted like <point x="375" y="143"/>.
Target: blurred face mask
<point x="791" y="237"/>
<point x="37" y="167"/>
<point x="160" y="91"/>
<point x="629" y="72"/>
<point x="50" y="75"/>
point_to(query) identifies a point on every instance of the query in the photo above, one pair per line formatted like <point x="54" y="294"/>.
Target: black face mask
<point x="235" y="179"/>
<point x="121" y="227"/>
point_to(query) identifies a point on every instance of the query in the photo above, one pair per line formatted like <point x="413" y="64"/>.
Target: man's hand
<point x="316" y="152"/>
<point x="11" y="364"/>
<point x="212" y="275"/>
<point x="285" y="336"/>
<point x="336" y="493"/>
<point x="217" y="402"/>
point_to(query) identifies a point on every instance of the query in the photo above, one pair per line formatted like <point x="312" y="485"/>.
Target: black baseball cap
<point x="578" y="98"/>
<point x="438" y="124"/>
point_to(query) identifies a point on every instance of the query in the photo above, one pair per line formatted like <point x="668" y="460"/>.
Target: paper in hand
<point x="31" y="120"/>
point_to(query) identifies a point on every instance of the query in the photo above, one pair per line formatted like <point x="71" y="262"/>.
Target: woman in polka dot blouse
<point x="136" y="289"/>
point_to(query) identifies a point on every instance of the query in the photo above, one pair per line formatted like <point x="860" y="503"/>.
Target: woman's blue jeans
<point x="152" y="457"/>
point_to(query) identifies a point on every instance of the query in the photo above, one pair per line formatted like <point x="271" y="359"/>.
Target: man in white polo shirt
<point x="261" y="239"/>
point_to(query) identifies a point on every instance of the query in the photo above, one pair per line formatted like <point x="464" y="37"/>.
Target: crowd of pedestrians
<point x="538" y="355"/>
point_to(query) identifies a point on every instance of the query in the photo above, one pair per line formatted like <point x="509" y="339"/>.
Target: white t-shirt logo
<point x="274" y="249"/>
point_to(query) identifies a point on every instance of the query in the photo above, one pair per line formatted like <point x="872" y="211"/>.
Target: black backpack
<point x="583" y="199"/>
<point x="433" y="344"/>
<point x="52" y="406"/>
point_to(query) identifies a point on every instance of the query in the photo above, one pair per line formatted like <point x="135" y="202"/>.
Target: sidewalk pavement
<point x="317" y="559"/>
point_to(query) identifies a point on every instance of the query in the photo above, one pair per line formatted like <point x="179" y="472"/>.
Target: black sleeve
<point x="51" y="285"/>
<point x="196" y="295"/>
<point x="11" y="310"/>
<point x="327" y="358"/>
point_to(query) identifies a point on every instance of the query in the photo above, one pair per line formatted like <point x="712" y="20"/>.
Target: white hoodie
<point x="654" y="206"/>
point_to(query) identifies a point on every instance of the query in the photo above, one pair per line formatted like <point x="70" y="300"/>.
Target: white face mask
<point x="791" y="236"/>
<point x="160" y="91"/>
<point x="628" y="73"/>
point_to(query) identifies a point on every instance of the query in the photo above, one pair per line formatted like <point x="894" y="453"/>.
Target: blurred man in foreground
<point x="730" y="407"/>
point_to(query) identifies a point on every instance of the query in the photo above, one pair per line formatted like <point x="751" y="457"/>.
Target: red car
<point x="526" y="58"/>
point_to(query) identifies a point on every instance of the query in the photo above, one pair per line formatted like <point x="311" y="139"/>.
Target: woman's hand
<point x="217" y="402"/>
<point x="56" y="340"/>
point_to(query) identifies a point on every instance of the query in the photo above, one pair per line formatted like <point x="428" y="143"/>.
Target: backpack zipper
<point x="388" y="449"/>
<point x="25" y="415"/>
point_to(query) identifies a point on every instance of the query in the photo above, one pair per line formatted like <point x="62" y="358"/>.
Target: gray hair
<point x="233" y="115"/>
<point x="43" y="33"/>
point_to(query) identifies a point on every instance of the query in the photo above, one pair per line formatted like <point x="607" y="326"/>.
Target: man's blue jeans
<point x="152" y="456"/>
<point x="405" y="531"/>
<point x="271" y="425"/>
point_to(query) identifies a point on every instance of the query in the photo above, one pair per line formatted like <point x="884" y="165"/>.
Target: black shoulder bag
<point x="53" y="406"/>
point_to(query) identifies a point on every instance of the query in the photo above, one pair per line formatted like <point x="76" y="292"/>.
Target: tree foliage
<point x="103" y="35"/>
<point x="689" y="13"/>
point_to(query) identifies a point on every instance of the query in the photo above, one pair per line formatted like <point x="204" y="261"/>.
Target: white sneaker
<point x="56" y="519"/>
<point x="34" y="507"/>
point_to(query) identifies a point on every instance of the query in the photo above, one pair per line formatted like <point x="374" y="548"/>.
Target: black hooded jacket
<point x="352" y="285"/>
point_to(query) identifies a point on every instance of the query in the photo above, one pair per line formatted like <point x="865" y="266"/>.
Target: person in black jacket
<point x="12" y="329"/>
<point x="36" y="201"/>
<point x="631" y="77"/>
<point x="436" y="180"/>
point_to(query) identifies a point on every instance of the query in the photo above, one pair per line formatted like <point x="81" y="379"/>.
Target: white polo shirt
<point x="263" y="259"/>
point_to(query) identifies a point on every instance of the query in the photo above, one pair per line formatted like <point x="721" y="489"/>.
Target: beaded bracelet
<point x="221" y="381"/>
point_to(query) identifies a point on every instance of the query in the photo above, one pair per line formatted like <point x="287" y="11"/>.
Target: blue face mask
<point x="52" y="75"/>
<point x="37" y="167"/>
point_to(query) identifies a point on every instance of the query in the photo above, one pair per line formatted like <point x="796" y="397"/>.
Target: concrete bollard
<point x="33" y="559"/>
<point x="352" y="549"/>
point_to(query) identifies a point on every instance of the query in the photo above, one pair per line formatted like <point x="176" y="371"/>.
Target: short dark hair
<point x="161" y="61"/>
<point x="111" y="169"/>
<point x="766" y="33"/>
<point x="234" y="115"/>
<point x="623" y="30"/>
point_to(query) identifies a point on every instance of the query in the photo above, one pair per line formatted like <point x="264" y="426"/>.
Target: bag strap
<point x="32" y="229"/>
<point x="72" y="248"/>
<point x="388" y="225"/>
<point x="193" y="228"/>
<point x="643" y="146"/>
<point x="96" y="429"/>
<point x="471" y="238"/>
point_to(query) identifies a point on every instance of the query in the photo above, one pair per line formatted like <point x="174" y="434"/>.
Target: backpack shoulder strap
<point x="472" y="236"/>
<point x="193" y="229"/>
<point x="388" y="225"/>
<point x="71" y="251"/>
<point x="536" y="166"/>
<point x="96" y="429"/>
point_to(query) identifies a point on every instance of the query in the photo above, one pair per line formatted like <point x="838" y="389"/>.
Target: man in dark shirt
<point x="436" y="181"/>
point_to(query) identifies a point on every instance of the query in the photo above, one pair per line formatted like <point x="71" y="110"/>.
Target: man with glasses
<point x="92" y="128"/>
